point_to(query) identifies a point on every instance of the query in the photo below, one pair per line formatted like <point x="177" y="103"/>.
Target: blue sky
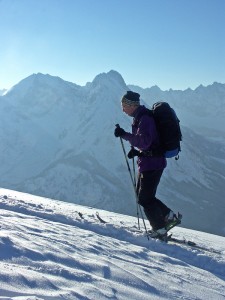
<point x="170" y="43"/>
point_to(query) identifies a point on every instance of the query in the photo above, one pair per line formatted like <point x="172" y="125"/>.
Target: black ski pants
<point x="155" y="210"/>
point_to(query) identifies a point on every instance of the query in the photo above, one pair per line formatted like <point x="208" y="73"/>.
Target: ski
<point x="80" y="214"/>
<point x="100" y="218"/>
<point x="191" y="244"/>
<point x="167" y="238"/>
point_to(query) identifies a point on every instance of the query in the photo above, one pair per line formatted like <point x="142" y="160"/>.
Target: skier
<point x="144" y="137"/>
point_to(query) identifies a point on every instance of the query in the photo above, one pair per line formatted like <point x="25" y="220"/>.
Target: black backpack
<point x="168" y="127"/>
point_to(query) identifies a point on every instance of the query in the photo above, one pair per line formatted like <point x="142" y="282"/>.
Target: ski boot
<point x="172" y="220"/>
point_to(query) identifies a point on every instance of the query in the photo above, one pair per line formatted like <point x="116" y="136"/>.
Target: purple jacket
<point x="144" y="135"/>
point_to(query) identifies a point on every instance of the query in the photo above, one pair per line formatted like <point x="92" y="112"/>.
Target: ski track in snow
<point x="47" y="251"/>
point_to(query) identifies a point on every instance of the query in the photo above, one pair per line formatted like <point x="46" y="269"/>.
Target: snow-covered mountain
<point x="201" y="109"/>
<point x="48" y="252"/>
<point x="57" y="141"/>
<point x="2" y="92"/>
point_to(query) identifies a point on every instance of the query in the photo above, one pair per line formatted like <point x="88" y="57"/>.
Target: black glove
<point x="132" y="153"/>
<point x="119" y="132"/>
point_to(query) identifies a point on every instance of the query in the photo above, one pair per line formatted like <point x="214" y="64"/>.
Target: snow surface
<point x="47" y="251"/>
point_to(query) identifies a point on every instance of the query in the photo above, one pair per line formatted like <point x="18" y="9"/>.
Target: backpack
<point x="168" y="127"/>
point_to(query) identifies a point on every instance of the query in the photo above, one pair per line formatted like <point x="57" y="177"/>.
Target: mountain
<point x="2" y="92"/>
<point x="55" y="137"/>
<point x="48" y="252"/>
<point x="201" y="109"/>
<point x="57" y="141"/>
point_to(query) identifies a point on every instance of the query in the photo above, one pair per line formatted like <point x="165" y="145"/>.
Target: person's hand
<point x="132" y="153"/>
<point x="119" y="132"/>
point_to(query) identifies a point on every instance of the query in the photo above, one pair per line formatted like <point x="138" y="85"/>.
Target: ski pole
<point x="132" y="180"/>
<point x="134" y="173"/>
<point x="135" y="183"/>
<point x="138" y="205"/>
<point x="125" y="155"/>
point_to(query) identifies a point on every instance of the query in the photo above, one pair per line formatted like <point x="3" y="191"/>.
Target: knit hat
<point x="131" y="98"/>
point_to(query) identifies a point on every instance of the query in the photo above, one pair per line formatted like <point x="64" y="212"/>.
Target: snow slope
<point x="47" y="251"/>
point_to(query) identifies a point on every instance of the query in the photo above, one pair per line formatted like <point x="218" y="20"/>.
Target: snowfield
<point x="48" y="251"/>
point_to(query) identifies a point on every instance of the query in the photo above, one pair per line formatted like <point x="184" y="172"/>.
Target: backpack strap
<point x="137" y="119"/>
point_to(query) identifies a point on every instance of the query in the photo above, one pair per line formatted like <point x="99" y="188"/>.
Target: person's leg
<point x="154" y="209"/>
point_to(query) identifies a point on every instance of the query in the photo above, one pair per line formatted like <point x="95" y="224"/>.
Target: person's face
<point x="128" y="109"/>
